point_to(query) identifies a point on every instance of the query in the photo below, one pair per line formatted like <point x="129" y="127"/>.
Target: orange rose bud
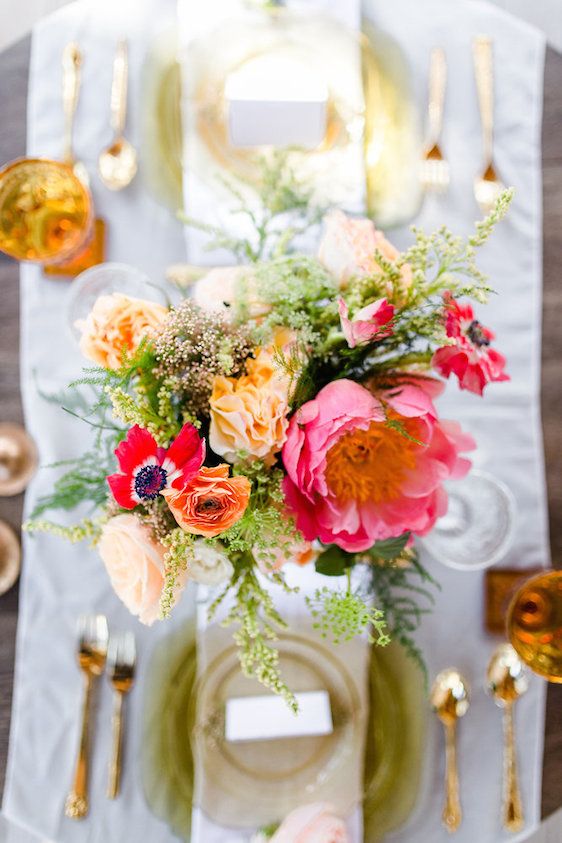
<point x="211" y="502"/>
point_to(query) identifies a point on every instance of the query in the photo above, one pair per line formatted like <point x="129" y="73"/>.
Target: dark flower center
<point x="150" y="481"/>
<point x="208" y="505"/>
<point x="477" y="334"/>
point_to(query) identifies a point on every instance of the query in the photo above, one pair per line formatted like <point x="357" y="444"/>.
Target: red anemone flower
<point x="147" y="469"/>
<point x="471" y="357"/>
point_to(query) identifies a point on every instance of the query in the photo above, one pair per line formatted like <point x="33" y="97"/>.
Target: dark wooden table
<point x="13" y="73"/>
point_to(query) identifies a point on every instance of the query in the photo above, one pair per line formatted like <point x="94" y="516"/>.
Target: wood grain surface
<point x="13" y="95"/>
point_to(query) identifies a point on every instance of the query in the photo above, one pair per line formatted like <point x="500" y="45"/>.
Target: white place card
<point x="276" y="100"/>
<point x="268" y="717"/>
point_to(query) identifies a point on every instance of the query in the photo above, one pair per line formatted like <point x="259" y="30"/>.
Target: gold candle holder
<point x="10" y="557"/>
<point x="18" y="459"/>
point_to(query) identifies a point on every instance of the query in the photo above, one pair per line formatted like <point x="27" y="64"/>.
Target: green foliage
<point x="258" y="623"/>
<point x="299" y="291"/>
<point x="390" y="549"/>
<point x="280" y="194"/>
<point x="333" y="562"/>
<point x="85" y="482"/>
<point x="180" y="551"/>
<point x="264" y="524"/>
<point x="343" y="615"/>
<point x="401" y="590"/>
<point x="87" y="529"/>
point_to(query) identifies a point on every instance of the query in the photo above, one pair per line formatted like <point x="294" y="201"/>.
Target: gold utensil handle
<point x="437" y="83"/>
<point x="76" y="806"/>
<point x="115" y="763"/>
<point x="452" y="813"/>
<point x="513" y="818"/>
<point x="484" y="72"/>
<point x="119" y="89"/>
<point x="71" y="63"/>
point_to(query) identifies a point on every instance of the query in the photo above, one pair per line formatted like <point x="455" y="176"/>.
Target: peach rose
<point x="315" y="823"/>
<point x="118" y="323"/>
<point x="347" y="250"/>
<point x="135" y="564"/>
<point x="210" y="503"/>
<point x="249" y="413"/>
<point x="219" y="288"/>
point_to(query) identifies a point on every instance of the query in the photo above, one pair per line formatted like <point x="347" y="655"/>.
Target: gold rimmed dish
<point x="395" y="737"/>
<point x="18" y="459"/>
<point x="10" y="557"/>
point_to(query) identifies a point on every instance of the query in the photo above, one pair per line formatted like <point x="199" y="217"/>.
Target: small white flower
<point x="209" y="566"/>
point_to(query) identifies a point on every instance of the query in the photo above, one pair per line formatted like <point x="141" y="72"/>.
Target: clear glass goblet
<point x="103" y="280"/>
<point x="477" y="530"/>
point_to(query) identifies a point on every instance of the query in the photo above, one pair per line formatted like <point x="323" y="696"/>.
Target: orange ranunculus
<point x="116" y="324"/>
<point x="249" y="413"/>
<point x="210" y="503"/>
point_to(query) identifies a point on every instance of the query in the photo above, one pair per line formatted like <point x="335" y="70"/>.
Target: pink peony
<point x="470" y="357"/>
<point x="353" y="480"/>
<point x="315" y="823"/>
<point x="369" y="324"/>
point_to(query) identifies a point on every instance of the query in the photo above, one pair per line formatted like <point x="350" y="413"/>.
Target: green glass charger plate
<point x="395" y="737"/>
<point x="391" y="135"/>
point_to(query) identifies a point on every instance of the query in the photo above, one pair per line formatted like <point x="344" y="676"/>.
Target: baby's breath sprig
<point x="180" y="551"/>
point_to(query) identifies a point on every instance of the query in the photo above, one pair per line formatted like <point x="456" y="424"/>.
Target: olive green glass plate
<point x="390" y="120"/>
<point x="395" y="737"/>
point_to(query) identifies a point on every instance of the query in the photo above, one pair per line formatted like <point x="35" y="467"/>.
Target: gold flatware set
<point x="117" y="163"/>
<point x="506" y="681"/>
<point x="434" y="171"/>
<point x="121" y="660"/>
<point x="96" y="650"/>
<point x="434" y="166"/>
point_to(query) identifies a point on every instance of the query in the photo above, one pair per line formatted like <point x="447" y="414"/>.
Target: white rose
<point x="217" y="291"/>
<point x="209" y="566"/>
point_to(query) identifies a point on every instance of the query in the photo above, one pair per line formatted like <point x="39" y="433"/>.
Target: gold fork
<point x="121" y="663"/>
<point x="488" y="185"/>
<point x="92" y="651"/>
<point x="434" y="170"/>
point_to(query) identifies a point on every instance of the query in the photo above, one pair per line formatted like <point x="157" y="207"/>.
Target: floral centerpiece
<point x="284" y="412"/>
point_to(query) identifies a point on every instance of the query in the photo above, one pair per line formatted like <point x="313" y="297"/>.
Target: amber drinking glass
<point x="45" y="211"/>
<point x="534" y="624"/>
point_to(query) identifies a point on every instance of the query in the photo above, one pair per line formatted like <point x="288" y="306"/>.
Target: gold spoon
<point x="71" y="64"/>
<point x="488" y="185"/>
<point x="117" y="163"/>
<point x="506" y="682"/>
<point x="450" y="700"/>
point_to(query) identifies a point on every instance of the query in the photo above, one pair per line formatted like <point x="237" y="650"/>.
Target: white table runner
<point x="59" y="581"/>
